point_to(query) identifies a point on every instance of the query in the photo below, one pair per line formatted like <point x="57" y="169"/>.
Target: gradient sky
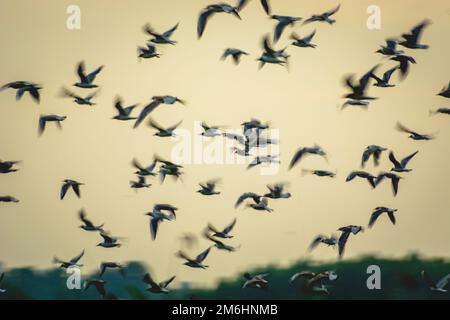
<point x="301" y="104"/>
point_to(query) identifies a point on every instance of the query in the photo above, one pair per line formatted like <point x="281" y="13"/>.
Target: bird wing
<point x="107" y="238"/>
<point x="281" y="25"/>
<point x="394" y="160"/>
<point x="364" y="81"/>
<point x="395" y="181"/>
<point x="317" y="240"/>
<point x="34" y="92"/>
<point x="374" y="216"/>
<point x="182" y="255"/>
<point x="332" y="11"/>
<point x="405" y="161"/>
<point x="164" y="207"/>
<point x="366" y="155"/>
<point x="146" y="111"/>
<point x="155" y="125"/>
<point x="309" y="37"/>
<point x="169" y="32"/>
<point x="42" y="123"/>
<point x="64" y="189"/>
<point x="91" y="76"/>
<point x="164" y="284"/>
<point x="103" y="267"/>
<point x="172" y="128"/>
<point x="154" y="227"/>
<point x="297" y="157"/>
<point x="391" y="216"/>
<point x="229" y="227"/>
<point x="402" y="128"/>
<point x="81" y="72"/>
<point x="118" y="106"/>
<point x="342" y="242"/>
<point x="266" y="6"/>
<point x="77" y="258"/>
<point x="82" y="216"/>
<point x="387" y="75"/>
<point x="267" y="48"/>
<point x="391" y="44"/>
<point x="148" y="280"/>
<point x="246" y="196"/>
<point x="76" y="189"/>
<point x="351" y="176"/>
<point x="202" y="256"/>
<point x="203" y="20"/>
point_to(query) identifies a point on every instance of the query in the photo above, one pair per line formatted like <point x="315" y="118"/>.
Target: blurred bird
<point x="401" y="166"/>
<point x="71" y="263"/>
<point x="320" y="173"/>
<point x="435" y="286"/>
<point x="208" y="188"/>
<point x="75" y="185"/>
<point x="108" y="241"/>
<point x="145" y="171"/>
<point x="412" y="39"/>
<point x="99" y="285"/>
<point x="111" y="265"/>
<point x="324" y="17"/>
<point x="197" y="262"/>
<point x="302" y="152"/>
<point x="359" y="89"/>
<point x="157" y="216"/>
<point x="283" y="22"/>
<point x="148" y="52"/>
<point x="86" y="81"/>
<point x="168" y="168"/>
<point x="87" y="224"/>
<point x="264" y="3"/>
<point x="141" y="183"/>
<point x="404" y="64"/>
<point x="123" y="112"/>
<point x="345" y="233"/>
<point x="262" y="205"/>
<point x="209" y="11"/>
<point x="362" y="174"/>
<point x="43" y="119"/>
<point x="276" y="191"/>
<point x="161" y="38"/>
<point x="271" y="55"/>
<point x="22" y="87"/>
<point x="414" y="135"/>
<point x="2" y="276"/>
<point x="328" y="241"/>
<point x="234" y="53"/>
<point x="8" y="199"/>
<point x="440" y="111"/>
<point x="379" y="211"/>
<point x="157" y="287"/>
<point x="445" y="92"/>
<point x="168" y="99"/>
<point x="372" y="150"/>
<point x="314" y="281"/>
<point x="255" y="197"/>
<point x="303" y="42"/>
<point x="351" y="102"/>
<point x="163" y="132"/>
<point x="395" y="179"/>
<point x="78" y="99"/>
<point x="257" y="281"/>
<point x="225" y="233"/>
<point x="219" y="244"/>
<point x="263" y="159"/>
<point x="384" y="82"/>
<point x="210" y="131"/>
<point x="156" y="101"/>
<point x="390" y="49"/>
<point x="7" y="166"/>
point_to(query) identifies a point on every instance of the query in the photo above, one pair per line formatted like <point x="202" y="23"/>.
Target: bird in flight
<point x="157" y="216"/>
<point x="8" y="166"/>
<point x="141" y="183"/>
<point x="123" y="112"/>
<point x="303" y="42"/>
<point x="272" y="56"/>
<point x="276" y="191"/>
<point x="161" y="38"/>
<point x="111" y="265"/>
<point x="234" y="53"/>
<point x="87" y="224"/>
<point x="412" y="40"/>
<point x="219" y="244"/>
<point x="436" y="286"/>
<point x="324" y="17"/>
<point x="156" y="101"/>
<point x="319" y="173"/>
<point x="79" y="99"/>
<point x="168" y="168"/>
<point x="8" y="199"/>
<point x="414" y="135"/>
<point x="362" y="174"/>
<point x="345" y="233"/>
<point x="209" y="11"/>
<point x="314" y="281"/>
<point x="283" y="22"/>
<point x="71" y="263"/>
<point x="210" y="131"/>
<point x="372" y="150"/>
<point x="384" y="81"/>
<point x="390" y="49"/>
<point x="209" y="188"/>
<point x="225" y="233"/>
<point x="302" y="152"/>
<point x="197" y="262"/>
<point x="43" y="119"/>
<point x="395" y="180"/>
<point x="157" y="287"/>
<point x="108" y="241"/>
<point x="440" y="111"/>
<point x="68" y="183"/>
<point x="378" y="211"/>
<point x="359" y="89"/>
<point x="86" y="80"/>
<point x="164" y="132"/>
<point x="22" y="87"/>
<point x="401" y="166"/>
<point x="445" y="92"/>
<point x="328" y="241"/>
<point x="148" y="52"/>
<point x="262" y="205"/>
<point x="265" y="4"/>
<point x="99" y="285"/>
<point x="404" y="64"/>
<point x="144" y="171"/>
<point x="257" y="281"/>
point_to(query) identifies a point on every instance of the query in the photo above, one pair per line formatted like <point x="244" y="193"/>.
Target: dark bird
<point x="157" y="287"/>
<point x="320" y="173"/>
<point x="345" y="233"/>
<point x="378" y="211"/>
<point x="123" y="112"/>
<point x="141" y="183"/>
<point x="157" y="216"/>
<point x="99" y="285"/>
<point x="8" y="166"/>
<point x="71" y="263"/>
<point x="8" y="199"/>
<point x="161" y="38"/>
<point x="111" y="265"/>
<point x="209" y="188"/>
<point x="359" y="89"/>
<point x="272" y="56"/>
<point x="412" y="40"/>
<point x="401" y="166"/>
<point x="22" y="87"/>
<point x="372" y="150"/>
<point x="440" y="111"/>
<point x="156" y="101"/>
<point x="283" y="22"/>
<point x="384" y="81"/>
<point x="75" y="185"/>
<point x="276" y="191"/>
<point x="395" y="179"/>
<point x="145" y="171"/>
<point x="255" y="197"/>
<point x="197" y="262"/>
<point x="404" y="64"/>
<point x="164" y="132"/>
<point x="79" y="99"/>
<point x="414" y="135"/>
<point x="265" y="4"/>
<point x="2" y="276"/>
<point x="210" y="131"/>
<point x="168" y="169"/>
<point x="302" y="152"/>
<point x="209" y="11"/>
<point x="263" y="159"/>
<point x="225" y="233"/>
<point x="362" y="174"/>
<point x="108" y="241"/>
<point x="148" y="52"/>
<point x="257" y="281"/>
<point x="328" y="241"/>
<point x="87" y="224"/>
<point x="303" y="42"/>
<point x="262" y="205"/>
<point x="43" y="119"/>
<point x="234" y="53"/>
<point x="86" y="81"/>
<point x="351" y="102"/>
<point x="324" y="17"/>
<point x="445" y="92"/>
<point x="219" y="244"/>
<point x="435" y="286"/>
<point x="314" y="281"/>
<point x="390" y="49"/>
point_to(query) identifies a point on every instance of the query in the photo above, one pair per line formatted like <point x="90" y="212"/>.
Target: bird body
<point x="141" y="183"/>
<point x="22" y="87"/>
<point x="345" y="233"/>
<point x="71" y="263"/>
<point x="87" y="224"/>
<point x="372" y="150"/>
<point x="362" y="174"/>
<point x="8" y="199"/>
<point x="234" y="53"/>
<point x="108" y="241"/>
<point x="401" y="166"/>
<point x="68" y="183"/>
<point x="303" y="42"/>
<point x="43" y="119"/>
<point x="123" y="112"/>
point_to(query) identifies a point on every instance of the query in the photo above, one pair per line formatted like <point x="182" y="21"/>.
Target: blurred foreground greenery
<point x="400" y="279"/>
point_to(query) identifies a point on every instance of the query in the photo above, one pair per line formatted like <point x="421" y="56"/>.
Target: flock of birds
<point x="252" y="137"/>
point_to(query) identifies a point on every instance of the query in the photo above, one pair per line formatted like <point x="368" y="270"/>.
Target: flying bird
<point x="362" y="174"/>
<point x="209" y="188"/>
<point x="148" y="52"/>
<point x="99" y="285"/>
<point x="124" y="113"/>
<point x="86" y="80"/>
<point x="303" y="42"/>
<point x="164" y="132"/>
<point x="157" y="287"/>
<point x="8" y="199"/>
<point x="302" y="152"/>
<point x="79" y="99"/>
<point x="161" y="38"/>
<point x="263" y="159"/>
<point x="404" y="64"/>
<point x="314" y="280"/>
<point x="210" y="131"/>
<point x="320" y="173"/>
<point x="401" y="166"/>
<point x="156" y="101"/>
<point x="157" y="216"/>
<point x="234" y="53"/>
<point x="141" y="183"/>
<point x="71" y="263"/>
<point x="414" y="135"/>
<point x="378" y="211"/>
<point x="265" y="4"/>
<point x="276" y="191"/>
<point x="197" y="262"/>
<point x="247" y="195"/>
<point x="372" y="150"/>
<point x="209" y="11"/>
<point x="168" y="168"/>
<point x="43" y="119"/>
<point x="219" y="244"/>
<point x="108" y="241"/>
<point x="75" y="185"/>
<point x="384" y="81"/>
<point x="225" y="233"/>
<point x="272" y="56"/>
<point x="111" y="265"/>
<point x="328" y="241"/>
<point x="445" y="92"/>
<point x="436" y="286"/>
<point x="359" y="89"/>
<point x="412" y="40"/>
<point x="440" y="111"/>
<point x="390" y="49"/>
<point x="87" y="224"/>
<point x="257" y="281"/>
<point x="22" y="87"/>
<point x="345" y="233"/>
<point x="262" y="205"/>
<point x="283" y="22"/>
<point x="324" y="17"/>
<point x="395" y="180"/>
<point x="8" y="166"/>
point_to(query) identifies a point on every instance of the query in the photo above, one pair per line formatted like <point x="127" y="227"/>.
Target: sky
<point x="301" y="103"/>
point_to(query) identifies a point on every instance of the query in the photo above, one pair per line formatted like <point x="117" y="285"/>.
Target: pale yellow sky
<point x="301" y="103"/>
